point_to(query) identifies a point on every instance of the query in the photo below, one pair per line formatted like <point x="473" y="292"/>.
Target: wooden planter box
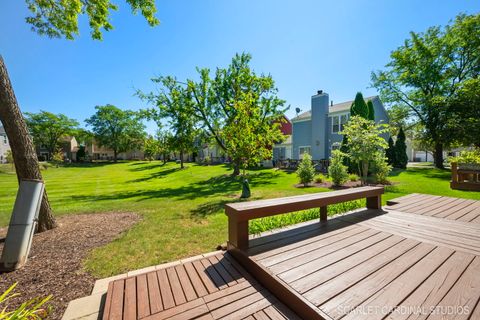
<point x="465" y="176"/>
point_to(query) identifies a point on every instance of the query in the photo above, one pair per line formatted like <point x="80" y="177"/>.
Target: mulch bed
<point x="329" y="185"/>
<point x="55" y="262"/>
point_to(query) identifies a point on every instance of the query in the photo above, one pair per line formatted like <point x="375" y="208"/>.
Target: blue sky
<point x="304" y="45"/>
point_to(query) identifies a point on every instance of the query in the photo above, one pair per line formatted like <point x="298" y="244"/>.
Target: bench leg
<point x="323" y="213"/>
<point x="237" y="234"/>
<point x="374" y="202"/>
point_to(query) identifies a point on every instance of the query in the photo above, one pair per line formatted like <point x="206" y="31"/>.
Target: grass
<point x="182" y="210"/>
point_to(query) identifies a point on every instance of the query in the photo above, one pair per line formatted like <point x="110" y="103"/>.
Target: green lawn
<point x="181" y="209"/>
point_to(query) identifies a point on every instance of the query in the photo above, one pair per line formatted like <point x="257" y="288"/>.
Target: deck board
<point x="420" y="256"/>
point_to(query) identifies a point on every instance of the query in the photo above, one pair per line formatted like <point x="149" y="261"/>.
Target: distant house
<point x="283" y="149"/>
<point x="4" y="145"/>
<point x="96" y="152"/>
<point x="68" y="147"/>
<point x="317" y="131"/>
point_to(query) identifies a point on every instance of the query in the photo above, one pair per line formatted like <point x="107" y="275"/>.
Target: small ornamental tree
<point x="390" y="152"/>
<point x="371" y="110"/>
<point x="359" y="107"/>
<point x="401" y="158"/>
<point x="364" y="142"/>
<point x="151" y="148"/>
<point x="306" y="171"/>
<point x="337" y="170"/>
<point x="9" y="158"/>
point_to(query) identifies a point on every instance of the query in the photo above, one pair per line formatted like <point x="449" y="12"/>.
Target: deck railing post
<point x="374" y="202"/>
<point x="323" y="214"/>
<point x="237" y="233"/>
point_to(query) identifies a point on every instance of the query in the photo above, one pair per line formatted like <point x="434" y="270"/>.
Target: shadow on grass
<point x="224" y="184"/>
<point x="156" y="175"/>
<point x="146" y="166"/>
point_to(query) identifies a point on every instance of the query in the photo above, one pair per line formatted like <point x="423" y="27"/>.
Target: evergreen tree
<point x="371" y="110"/>
<point x="401" y="158"/>
<point x="390" y="152"/>
<point x="306" y="171"/>
<point x="359" y="107"/>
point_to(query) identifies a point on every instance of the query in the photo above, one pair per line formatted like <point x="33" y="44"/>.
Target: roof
<point x="342" y="106"/>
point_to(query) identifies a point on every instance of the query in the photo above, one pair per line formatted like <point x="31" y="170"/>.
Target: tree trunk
<point x="364" y="171"/>
<point x="23" y="150"/>
<point x="115" y="156"/>
<point x="164" y="158"/>
<point x="438" y="156"/>
<point x="236" y="168"/>
<point x="181" y="159"/>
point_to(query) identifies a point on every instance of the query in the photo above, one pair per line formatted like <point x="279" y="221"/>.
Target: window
<point x="302" y="150"/>
<point x="336" y="146"/>
<point x="338" y="122"/>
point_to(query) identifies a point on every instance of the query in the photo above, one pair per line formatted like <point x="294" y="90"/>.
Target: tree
<point x="47" y="128"/>
<point x="21" y="143"/>
<point x="248" y="138"/>
<point x="337" y="170"/>
<point x="401" y="158"/>
<point x="151" y="148"/>
<point x="9" y="158"/>
<point x="371" y="110"/>
<point x="364" y="142"/>
<point x="305" y="170"/>
<point x="174" y="104"/>
<point x="390" y="152"/>
<point x="54" y="18"/>
<point x="428" y="70"/>
<point x="216" y="98"/>
<point x="359" y="106"/>
<point x="165" y="140"/>
<point x="119" y="130"/>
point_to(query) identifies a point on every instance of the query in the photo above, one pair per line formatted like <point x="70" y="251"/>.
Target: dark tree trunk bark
<point x="236" y="168"/>
<point x="115" y="156"/>
<point x="23" y="150"/>
<point x="181" y="159"/>
<point x="438" y="156"/>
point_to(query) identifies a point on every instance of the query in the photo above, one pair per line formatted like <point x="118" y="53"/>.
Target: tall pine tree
<point x="401" y="158"/>
<point x="390" y="152"/>
<point x="359" y="107"/>
<point x="371" y="110"/>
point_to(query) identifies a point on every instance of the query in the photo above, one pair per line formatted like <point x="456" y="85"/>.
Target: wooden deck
<point x="417" y="259"/>
<point x="211" y="288"/>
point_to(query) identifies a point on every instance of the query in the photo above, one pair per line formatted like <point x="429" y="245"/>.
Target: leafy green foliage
<point x="401" y="158"/>
<point x="32" y="309"/>
<point x="47" y="129"/>
<point x="217" y="100"/>
<point x="381" y="168"/>
<point x="119" y="130"/>
<point x="151" y="148"/>
<point x="9" y="157"/>
<point x="59" y="18"/>
<point x="359" y="106"/>
<point x="305" y="170"/>
<point x="427" y="71"/>
<point x="336" y="170"/>
<point x="364" y="141"/>
<point x="371" y="110"/>
<point x="174" y="103"/>
<point x="320" y="178"/>
<point x="469" y="157"/>
<point x="390" y="152"/>
<point x="353" y="177"/>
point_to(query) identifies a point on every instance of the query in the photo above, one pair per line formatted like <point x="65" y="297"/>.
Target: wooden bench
<point x="240" y="213"/>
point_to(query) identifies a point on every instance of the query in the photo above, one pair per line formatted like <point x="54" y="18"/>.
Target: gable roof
<point x="342" y="106"/>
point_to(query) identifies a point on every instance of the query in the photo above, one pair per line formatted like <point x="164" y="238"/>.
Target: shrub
<point x="470" y="157"/>
<point x="31" y="309"/>
<point x="381" y="168"/>
<point x="353" y="177"/>
<point x="306" y="171"/>
<point x="320" y="178"/>
<point x="401" y="158"/>
<point x="337" y="170"/>
<point x="207" y="160"/>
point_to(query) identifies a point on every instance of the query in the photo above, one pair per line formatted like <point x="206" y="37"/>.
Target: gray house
<point x="317" y="131"/>
<point x="4" y="145"/>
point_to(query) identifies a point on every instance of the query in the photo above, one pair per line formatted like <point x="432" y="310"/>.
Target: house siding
<point x="302" y="131"/>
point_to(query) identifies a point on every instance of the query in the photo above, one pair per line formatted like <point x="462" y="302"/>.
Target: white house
<point x="4" y="145"/>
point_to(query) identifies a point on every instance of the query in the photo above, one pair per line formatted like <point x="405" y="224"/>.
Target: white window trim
<point x="300" y="147"/>
<point x="339" y="117"/>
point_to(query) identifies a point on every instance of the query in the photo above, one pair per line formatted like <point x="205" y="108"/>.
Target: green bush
<point x="337" y="170"/>
<point x="381" y="168"/>
<point x="306" y="171"/>
<point x="320" y="178"/>
<point x="470" y="157"/>
<point x="31" y="309"/>
<point x="353" y="177"/>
